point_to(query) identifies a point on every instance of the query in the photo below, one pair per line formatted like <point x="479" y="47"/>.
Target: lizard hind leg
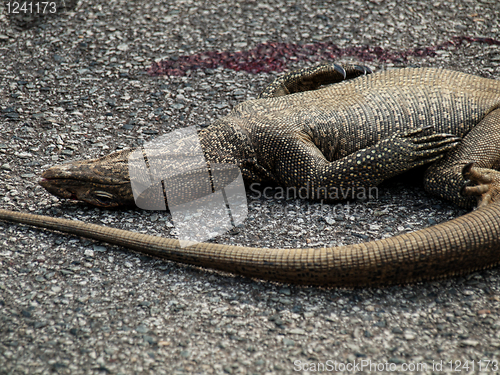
<point x="312" y="78"/>
<point x="482" y="183"/>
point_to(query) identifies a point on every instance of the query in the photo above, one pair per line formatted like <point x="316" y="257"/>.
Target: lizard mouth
<point x="51" y="185"/>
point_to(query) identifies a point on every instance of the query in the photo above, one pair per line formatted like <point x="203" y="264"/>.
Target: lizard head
<point x="102" y="182"/>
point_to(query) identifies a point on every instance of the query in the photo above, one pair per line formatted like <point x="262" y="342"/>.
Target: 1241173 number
<point x="31" y="7"/>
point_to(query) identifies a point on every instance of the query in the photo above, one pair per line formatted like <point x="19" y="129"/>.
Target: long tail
<point x="468" y="243"/>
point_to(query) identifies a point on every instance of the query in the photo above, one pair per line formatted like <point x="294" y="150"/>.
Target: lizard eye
<point x="103" y="197"/>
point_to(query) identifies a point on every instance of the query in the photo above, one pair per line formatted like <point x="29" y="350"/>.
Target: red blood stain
<point x="273" y="56"/>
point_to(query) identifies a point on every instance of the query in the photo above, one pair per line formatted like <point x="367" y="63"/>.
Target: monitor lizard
<point x="355" y="132"/>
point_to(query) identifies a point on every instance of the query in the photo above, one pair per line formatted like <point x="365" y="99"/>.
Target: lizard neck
<point x="228" y="143"/>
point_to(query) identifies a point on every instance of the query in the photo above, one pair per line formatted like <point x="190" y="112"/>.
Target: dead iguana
<point x="352" y="134"/>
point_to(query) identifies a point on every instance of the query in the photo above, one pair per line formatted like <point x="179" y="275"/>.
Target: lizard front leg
<point x="302" y="165"/>
<point x="311" y="78"/>
<point x="476" y="160"/>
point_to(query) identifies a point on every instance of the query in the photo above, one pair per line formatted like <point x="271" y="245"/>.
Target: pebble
<point x="469" y="343"/>
<point x="285" y="291"/>
<point x="56" y="289"/>
<point x="329" y="220"/>
<point x="297" y="331"/>
<point x="409" y="335"/>
<point x="23" y="155"/>
<point x="142" y="329"/>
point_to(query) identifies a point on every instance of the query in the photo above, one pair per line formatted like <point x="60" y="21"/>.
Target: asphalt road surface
<point x="80" y="84"/>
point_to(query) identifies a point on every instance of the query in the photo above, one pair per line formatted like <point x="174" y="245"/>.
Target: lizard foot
<point x="483" y="183"/>
<point x="420" y="147"/>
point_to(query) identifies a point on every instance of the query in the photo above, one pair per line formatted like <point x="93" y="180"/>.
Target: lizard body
<point x="352" y="134"/>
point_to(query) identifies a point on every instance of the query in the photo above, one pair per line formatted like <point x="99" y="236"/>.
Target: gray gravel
<point x="75" y="86"/>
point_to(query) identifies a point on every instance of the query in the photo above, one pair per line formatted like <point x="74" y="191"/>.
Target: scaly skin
<point x="350" y="135"/>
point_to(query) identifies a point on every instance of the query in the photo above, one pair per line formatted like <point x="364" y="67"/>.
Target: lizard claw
<point x="466" y="169"/>
<point x="418" y="131"/>
<point x="482" y="183"/>
<point x="363" y="69"/>
<point x="340" y="70"/>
